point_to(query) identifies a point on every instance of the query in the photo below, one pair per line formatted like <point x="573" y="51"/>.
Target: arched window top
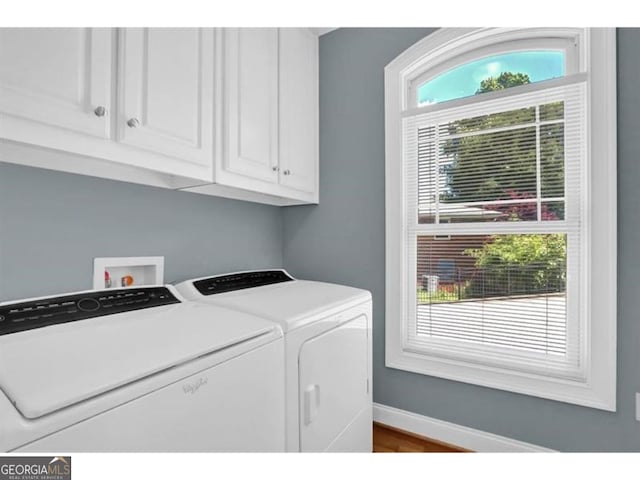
<point x="491" y="73"/>
<point x="452" y="64"/>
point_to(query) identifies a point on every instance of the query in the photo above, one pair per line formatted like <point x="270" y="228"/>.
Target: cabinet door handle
<point x="133" y="123"/>
<point x="100" y="111"/>
<point x="287" y="172"/>
<point x="275" y="168"/>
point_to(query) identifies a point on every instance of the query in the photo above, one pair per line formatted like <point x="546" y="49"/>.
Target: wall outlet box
<point x="638" y="406"/>
<point x="138" y="270"/>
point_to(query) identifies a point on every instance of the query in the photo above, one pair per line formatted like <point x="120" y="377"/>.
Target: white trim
<point x="597" y="389"/>
<point x="319" y="31"/>
<point x="457" y="435"/>
<point x="603" y="239"/>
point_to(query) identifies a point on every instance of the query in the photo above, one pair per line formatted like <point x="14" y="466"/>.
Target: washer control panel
<point x="240" y="281"/>
<point x="18" y="317"/>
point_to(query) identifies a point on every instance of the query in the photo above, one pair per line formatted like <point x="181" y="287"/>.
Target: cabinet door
<point x="166" y="91"/>
<point x="251" y="102"/>
<point x="298" y="108"/>
<point x="57" y="76"/>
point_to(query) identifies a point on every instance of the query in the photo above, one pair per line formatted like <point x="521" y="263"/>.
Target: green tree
<point x="502" y="165"/>
<point x="519" y="264"/>
<point x="473" y="175"/>
<point x="502" y="81"/>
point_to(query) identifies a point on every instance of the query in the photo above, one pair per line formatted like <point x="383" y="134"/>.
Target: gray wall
<point x="53" y="224"/>
<point x="342" y="240"/>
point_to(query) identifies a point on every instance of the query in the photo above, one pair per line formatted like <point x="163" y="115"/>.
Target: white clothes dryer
<point x="327" y="331"/>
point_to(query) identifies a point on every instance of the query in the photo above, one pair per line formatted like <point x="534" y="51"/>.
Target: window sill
<point x="577" y="392"/>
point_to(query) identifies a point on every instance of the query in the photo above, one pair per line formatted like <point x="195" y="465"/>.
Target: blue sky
<point x="463" y="81"/>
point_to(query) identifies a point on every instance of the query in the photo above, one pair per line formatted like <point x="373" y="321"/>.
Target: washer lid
<point x="292" y="304"/>
<point x="46" y="369"/>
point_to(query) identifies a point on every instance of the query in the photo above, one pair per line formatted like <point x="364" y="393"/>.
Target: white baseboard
<point x="465" y="437"/>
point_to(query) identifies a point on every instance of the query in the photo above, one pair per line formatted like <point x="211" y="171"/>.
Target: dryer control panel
<point x="18" y="317"/>
<point x="240" y="281"/>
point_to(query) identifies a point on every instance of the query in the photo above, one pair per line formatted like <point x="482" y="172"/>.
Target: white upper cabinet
<point x="269" y="128"/>
<point x="298" y="160"/>
<point x="153" y="125"/>
<point x="166" y="91"/>
<point x="250" y="116"/>
<point x="57" y="76"/>
<point x="231" y="112"/>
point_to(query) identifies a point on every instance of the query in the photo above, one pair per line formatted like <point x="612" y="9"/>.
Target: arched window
<point x="490" y="73"/>
<point x="501" y="210"/>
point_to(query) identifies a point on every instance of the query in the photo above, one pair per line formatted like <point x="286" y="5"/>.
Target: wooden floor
<point x="389" y="439"/>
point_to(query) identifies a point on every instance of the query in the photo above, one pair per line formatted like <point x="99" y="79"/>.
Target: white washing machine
<point x="138" y="370"/>
<point x="328" y="352"/>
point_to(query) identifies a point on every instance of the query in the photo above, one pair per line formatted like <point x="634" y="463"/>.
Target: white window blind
<point x="494" y="223"/>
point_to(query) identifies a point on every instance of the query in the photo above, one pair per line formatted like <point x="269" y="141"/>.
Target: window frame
<point x="595" y="59"/>
<point x="566" y="44"/>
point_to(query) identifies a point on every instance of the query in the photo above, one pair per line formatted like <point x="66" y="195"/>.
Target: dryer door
<point x="333" y="384"/>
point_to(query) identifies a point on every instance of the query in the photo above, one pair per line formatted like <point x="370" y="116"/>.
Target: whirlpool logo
<point x="35" y="468"/>
<point x="193" y="387"/>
